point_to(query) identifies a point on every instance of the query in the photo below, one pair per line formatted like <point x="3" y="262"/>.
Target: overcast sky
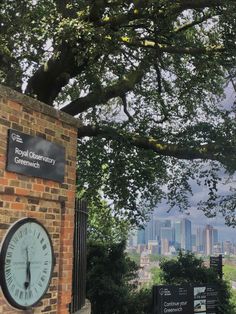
<point x="198" y="219"/>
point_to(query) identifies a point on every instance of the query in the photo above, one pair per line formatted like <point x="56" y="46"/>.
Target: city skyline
<point x="166" y="236"/>
<point x="199" y="220"/>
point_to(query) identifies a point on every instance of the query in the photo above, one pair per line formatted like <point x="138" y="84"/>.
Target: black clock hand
<point x="28" y="273"/>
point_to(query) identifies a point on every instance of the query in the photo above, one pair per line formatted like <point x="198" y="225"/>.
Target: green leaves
<point x="148" y="75"/>
<point x="109" y="278"/>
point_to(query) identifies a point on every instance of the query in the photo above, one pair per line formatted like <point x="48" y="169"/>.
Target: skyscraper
<point x="208" y="239"/>
<point x="177" y="229"/>
<point x="186" y="235"/>
<point x="165" y="247"/>
<point x="141" y="236"/>
<point x="199" y="240"/>
<point x="152" y="230"/>
<point x="194" y="241"/>
<point x="168" y="234"/>
<point x="215" y="236"/>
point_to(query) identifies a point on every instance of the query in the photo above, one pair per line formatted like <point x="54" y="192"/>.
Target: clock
<point x="26" y="263"/>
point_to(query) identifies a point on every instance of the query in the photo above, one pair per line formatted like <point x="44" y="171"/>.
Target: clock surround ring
<point x="6" y="241"/>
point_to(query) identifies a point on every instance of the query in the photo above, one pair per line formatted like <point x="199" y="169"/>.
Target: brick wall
<point x="50" y="202"/>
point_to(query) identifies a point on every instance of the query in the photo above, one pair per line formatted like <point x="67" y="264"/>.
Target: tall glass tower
<point x="208" y="237"/>
<point x="177" y="229"/>
<point x="186" y="235"/>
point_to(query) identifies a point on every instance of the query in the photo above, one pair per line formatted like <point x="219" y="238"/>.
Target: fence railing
<point x="80" y="256"/>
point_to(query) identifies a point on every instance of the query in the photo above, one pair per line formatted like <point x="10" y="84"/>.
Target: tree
<point x="146" y="79"/>
<point x="187" y="268"/>
<point x="103" y="226"/>
<point x="111" y="278"/>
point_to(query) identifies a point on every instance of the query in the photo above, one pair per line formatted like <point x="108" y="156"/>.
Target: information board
<point x="34" y="156"/>
<point x="187" y="299"/>
<point x="216" y="263"/>
<point x="172" y="299"/>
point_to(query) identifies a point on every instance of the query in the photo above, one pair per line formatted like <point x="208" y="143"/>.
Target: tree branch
<point x="171" y="49"/>
<point x="192" y="24"/>
<point x="138" y="12"/>
<point x="125" y="105"/>
<point x="204" y="152"/>
<point x="121" y="87"/>
<point x="49" y="79"/>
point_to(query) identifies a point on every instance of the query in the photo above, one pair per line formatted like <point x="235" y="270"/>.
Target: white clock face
<point x="27" y="262"/>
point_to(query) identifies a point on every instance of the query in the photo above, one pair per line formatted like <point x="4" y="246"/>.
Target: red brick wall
<point x="52" y="203"/>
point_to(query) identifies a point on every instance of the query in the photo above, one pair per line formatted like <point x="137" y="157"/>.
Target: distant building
<point x="194" y="243"/>
<point x="141" y="236"/>
<point x="177" y="230"/>
<point x="172" y="250"/>
<point x="167" y="233"/>
<point x="208" y="240"/>
<point x="186" y="234"/>
<point x="144" y="273"/>
<point x="141" y="248"/>
<point x="166" y="223"/>
<point x="144" y="259"/>
<point x="218" y="248"/>
<point x="152" y="231"/>
<point x="132" y="240"/>
<point x="159" y="235"/>
<point x="215" y="236"/>
<point x="165" y="247"/>
<point x="154" y="247"/>
<point x="199" y="240"/>
<point x="227" y="248"/>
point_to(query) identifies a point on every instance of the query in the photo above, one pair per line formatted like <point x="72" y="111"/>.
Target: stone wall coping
<point x="86" y="309"/>
<point x="36" y="105"/>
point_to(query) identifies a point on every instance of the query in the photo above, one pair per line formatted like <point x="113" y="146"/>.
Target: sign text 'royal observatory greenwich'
<point x="34" y="156"/>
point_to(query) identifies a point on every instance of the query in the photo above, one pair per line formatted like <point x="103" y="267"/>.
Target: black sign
<point x="202" y="299"/>
<point x="173" y="299"/>
<point x="34" y="156"/>
<point x="216" y="263"/>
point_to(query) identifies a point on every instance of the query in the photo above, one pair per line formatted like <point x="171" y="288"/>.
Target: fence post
<point x="80" y="256"/>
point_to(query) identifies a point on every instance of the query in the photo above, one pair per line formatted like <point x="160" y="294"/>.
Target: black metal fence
<point x="80" y="256"/>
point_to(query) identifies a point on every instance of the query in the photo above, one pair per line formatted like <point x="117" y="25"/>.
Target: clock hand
<point x="28" y="272"/>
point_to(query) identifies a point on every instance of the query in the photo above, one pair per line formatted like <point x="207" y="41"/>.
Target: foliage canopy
<point x="111" y="281"/>
<point x="146" y="78"/>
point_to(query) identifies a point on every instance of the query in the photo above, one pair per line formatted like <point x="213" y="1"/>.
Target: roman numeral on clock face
<point x="9" y="280"/>
<point x="9" y="254"/>
<point x="11" y="246"/>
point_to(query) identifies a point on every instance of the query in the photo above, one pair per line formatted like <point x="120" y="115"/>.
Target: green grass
<point x="233" y="297"/>
<point x="156" y="276"/>
<point x="134" y="257"/>
<point x="229" y="272"/>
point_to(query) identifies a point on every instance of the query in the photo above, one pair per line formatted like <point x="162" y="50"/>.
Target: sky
<point x="199" y="220"/>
